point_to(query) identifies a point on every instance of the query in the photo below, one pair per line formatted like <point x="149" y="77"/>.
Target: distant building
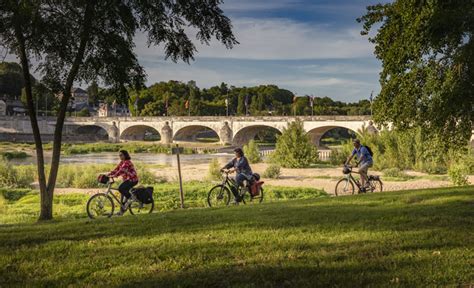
<point x="113" y="110"/>
<point x="80" y="96"/>
<point x="79" y="99"/>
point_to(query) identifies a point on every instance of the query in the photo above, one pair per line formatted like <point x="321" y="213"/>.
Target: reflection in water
<point x="149" y="158"/>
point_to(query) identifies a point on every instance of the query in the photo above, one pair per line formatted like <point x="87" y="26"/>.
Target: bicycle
<point x="101" y="205"/>
<point x="345" y="186"/>
<point x="220" y="195"/>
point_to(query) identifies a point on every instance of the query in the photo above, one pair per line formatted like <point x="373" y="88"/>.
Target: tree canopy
<point x="11" y="80"/>
<point x="427" y="53"/>
<point x="85" y="40"/>
<point x="170" y="98"/>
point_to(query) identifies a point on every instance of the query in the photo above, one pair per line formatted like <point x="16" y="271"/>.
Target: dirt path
<point x="320" y="178"/>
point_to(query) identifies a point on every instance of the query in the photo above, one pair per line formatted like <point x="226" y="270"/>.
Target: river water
<point x="149" y="158"/>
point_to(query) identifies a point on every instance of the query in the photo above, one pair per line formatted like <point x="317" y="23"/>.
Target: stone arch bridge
<point x="229" y="130"/>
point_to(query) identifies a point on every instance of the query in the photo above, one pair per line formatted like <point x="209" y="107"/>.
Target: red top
<point x="126" y="170"/>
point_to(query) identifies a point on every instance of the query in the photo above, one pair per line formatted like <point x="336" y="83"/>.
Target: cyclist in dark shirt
<point x="239" y="165"/>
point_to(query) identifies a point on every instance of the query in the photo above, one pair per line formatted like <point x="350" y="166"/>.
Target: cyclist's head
<point x="124" y="155"/>
<point x="238" y="152"/>
<point x="356" y="143"/>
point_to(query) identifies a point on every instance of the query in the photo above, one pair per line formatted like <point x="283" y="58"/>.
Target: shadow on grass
<point x="399" y="238"/>
<point x="399" y="211"/>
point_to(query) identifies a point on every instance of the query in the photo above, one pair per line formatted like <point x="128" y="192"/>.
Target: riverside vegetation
<point x="395" y="151"/>
<point x="22" y="150"/>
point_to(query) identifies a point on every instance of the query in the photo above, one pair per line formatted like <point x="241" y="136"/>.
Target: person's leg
<point x="239" y="179"/>
<point x="125" y="187"/>
<point x="363" y="174"/>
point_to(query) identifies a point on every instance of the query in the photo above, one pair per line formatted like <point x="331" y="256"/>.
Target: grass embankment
<point x="412" y="238"/>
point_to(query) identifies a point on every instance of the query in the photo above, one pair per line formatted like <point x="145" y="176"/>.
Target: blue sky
<point x="309" y="47"/>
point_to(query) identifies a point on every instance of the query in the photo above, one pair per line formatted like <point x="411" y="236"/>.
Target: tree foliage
<point x="262" y="100"/>
<point x="252" y="152"/>
<point x="294" y="148"/>
<point x="427" y="53"/>
<point x="11" y="80"/>
<point x="84" y="40"/>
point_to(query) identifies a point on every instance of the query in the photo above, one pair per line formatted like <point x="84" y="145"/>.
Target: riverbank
<point x="27" y="149"/>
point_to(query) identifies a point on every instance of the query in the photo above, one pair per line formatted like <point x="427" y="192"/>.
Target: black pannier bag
<point x="144" y="195"/>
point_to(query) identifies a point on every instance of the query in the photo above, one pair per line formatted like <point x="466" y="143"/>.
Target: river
<point x="112" y="158"/>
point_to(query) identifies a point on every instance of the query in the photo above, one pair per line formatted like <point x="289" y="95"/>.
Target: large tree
<point x="84" y="40"/>
<point x="427" y="53"/>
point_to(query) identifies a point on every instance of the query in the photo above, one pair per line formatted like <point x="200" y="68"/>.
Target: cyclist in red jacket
<point x="129" y="175"/>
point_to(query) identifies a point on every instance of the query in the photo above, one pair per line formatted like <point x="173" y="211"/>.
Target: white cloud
<point x="281" y="39"/>
<point x="252" y="5"/>
<point x="338" y="68"/>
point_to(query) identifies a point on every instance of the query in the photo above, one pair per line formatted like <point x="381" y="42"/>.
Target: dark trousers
<point x="239" y="181"/>
<point x="125" y="187"/>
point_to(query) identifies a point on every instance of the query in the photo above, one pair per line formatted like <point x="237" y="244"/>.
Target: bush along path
<point x="412" y="238"/>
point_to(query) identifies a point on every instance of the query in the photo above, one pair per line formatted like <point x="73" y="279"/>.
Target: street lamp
<point x="371" y="98"/>
<point x="227" y="107"/>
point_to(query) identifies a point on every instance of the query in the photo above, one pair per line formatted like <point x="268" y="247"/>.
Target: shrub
<point x="14" y="155"/>
<point x="214" y="171"/>
<point x="337" y="157"/>
<point x="15" y="176"/>
<point x="7" y="174"/>
<point x="252" y="153"/>
<point x="83" y="113"/>
<point x="272" y="172"/>
<point x="294" y="148"/>
<point x="25" y="175"/>
<point x="457" y="172"/>
<point x="145" y="175"/>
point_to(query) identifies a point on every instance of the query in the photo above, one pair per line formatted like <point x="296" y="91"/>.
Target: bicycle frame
<point x="109" y="193"/>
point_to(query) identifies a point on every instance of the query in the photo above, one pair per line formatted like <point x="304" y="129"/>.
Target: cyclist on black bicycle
<point x="365" y="162"/>
<point x="129" y="175"/>
<point x="241" y="166"/>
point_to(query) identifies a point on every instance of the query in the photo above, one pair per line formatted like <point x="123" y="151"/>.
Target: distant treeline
<point x="176" y="98"/>
<point x="179" y="99"/>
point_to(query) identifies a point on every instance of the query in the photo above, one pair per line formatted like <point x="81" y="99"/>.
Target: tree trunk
<point x="46" y="200"/>
<point x="58" y="131"/>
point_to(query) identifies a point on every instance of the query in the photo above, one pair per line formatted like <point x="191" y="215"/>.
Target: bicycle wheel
<point x="100" y="206"/>
<point x="137" y="207"/>
<point x="249" y="199"/>
<point x="344" y="187"/>
<point x="218" y="196"/>
<point x="376" y="186"/>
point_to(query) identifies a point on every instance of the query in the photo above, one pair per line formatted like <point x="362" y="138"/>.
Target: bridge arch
<point x="192" y="133"/>
<point x="90" y="133"/>
<point x="245" y="134"/>
<point x="140" y="133"/>
<point x="317" y="134"/>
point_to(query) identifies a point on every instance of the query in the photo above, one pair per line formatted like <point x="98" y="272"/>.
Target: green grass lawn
<point x="413" y="238"/>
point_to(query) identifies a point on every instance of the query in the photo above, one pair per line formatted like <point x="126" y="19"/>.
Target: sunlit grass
<point x="411" y="239"/>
